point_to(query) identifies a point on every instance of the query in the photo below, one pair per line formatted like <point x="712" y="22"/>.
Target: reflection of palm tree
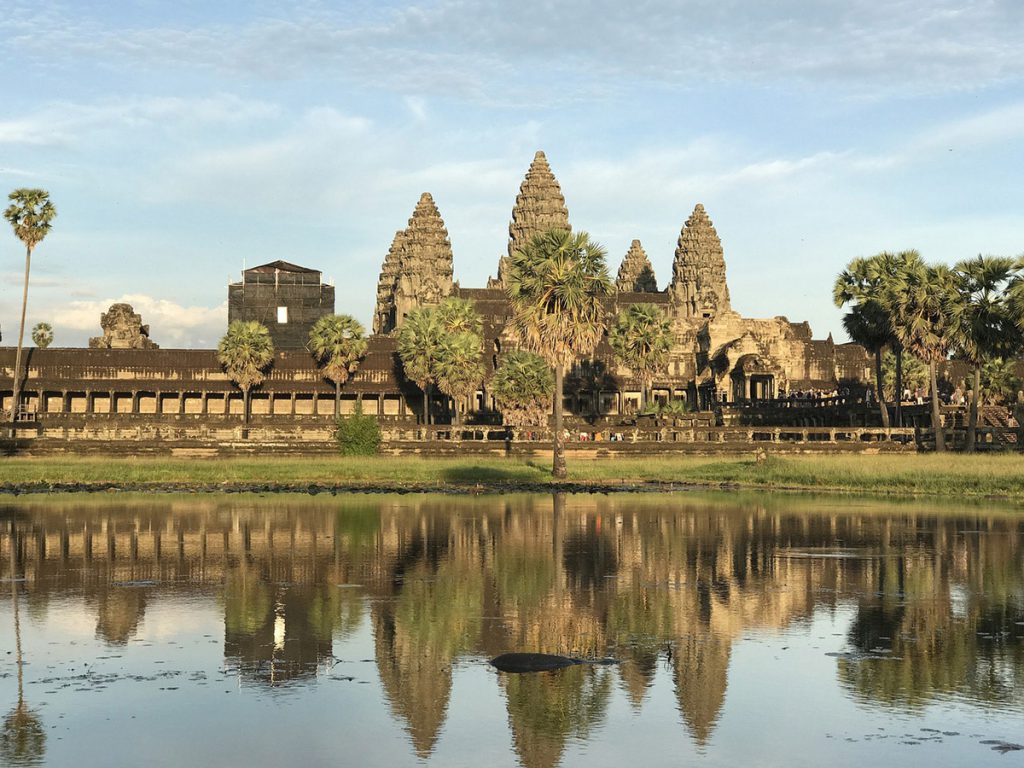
<point x="548" y="708"/>
<point x="23" y="741"/>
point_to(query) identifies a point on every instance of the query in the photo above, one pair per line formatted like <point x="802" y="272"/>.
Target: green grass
<point x="951" y="475"/>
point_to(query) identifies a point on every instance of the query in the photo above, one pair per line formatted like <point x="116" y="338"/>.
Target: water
<point x="789" y="631"/>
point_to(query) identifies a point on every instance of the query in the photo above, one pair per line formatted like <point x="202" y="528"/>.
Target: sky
<point x="181" y="142"/>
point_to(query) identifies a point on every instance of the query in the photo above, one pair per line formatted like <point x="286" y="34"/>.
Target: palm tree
<point x="984" y="328"/>
<point x="922" y="316"/>
<point x="641" y="338"/>
<point x="31" y="216"/>
<point x="246" y="352"/>
<point x="459" y="315"/>
<point x="459" y="369"/>
<point x="42" y="335"/>
<point x="876" y="283"/>
<point x="522" y="388"/>
<point x="866" y="324"/>
<point x="419" y="341"/>
<point x="555" y="286"/>
<point x="338" y="344"/>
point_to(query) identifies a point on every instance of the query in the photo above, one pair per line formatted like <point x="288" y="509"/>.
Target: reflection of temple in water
<point x="666" y="585"/>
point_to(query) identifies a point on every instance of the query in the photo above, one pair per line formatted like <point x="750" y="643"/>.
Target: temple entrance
<point x="753" y="379"/>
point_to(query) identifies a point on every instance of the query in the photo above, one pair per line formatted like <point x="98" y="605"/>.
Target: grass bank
<point x="932" y="475"/>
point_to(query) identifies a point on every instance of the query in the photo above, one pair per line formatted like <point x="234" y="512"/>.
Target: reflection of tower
<point x="276" y="635"/>
<point x="120" y="612"/>
<point x="416" y="683"/>
<point x="700" y="672"/>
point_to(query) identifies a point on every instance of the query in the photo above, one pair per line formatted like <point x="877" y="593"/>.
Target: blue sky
<point x="181" y="140"/>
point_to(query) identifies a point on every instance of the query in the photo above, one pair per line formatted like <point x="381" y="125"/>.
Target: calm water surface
<point x="750" y="630"/>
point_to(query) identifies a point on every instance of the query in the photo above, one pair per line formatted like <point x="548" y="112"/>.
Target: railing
<point x="612" y="436"/>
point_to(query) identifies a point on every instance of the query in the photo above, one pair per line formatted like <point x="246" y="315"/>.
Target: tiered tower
<point x="636" y="273"/>
<point x="417" y="271"/>
<point x="698" y="288"/>
<point x="539" y="207"/>
<point x="384" y="313"/>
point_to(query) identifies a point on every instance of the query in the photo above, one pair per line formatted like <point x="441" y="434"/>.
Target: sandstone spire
<point x="539" y="207"/>
<point x="425" y="260"/>
<point x="698" y="274"/>
<point x="636" y="272"/>
<point x="384" y="313"/>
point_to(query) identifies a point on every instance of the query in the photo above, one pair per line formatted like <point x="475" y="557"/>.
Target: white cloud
<point x="486" y="50"/>
<point x="65" y="123"/>
<point x="170" y="324"/>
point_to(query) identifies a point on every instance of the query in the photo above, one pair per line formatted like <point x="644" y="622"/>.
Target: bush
<point x="358" y="434"/>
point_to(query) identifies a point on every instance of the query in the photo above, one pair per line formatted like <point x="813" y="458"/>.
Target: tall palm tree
<point x="641" y="337"/>
<point x="877" y="283"/>
<point x="31" y="216"/>
<point x="338" y="344"/>
<point x="419" y="342"/>
<point x="246" y="352"/>
<point x="555" y="286"/>
<point x="982" y="321"/>
<point x="922" y="321"/>
<point x="522" y="388"/>
<point x="866" y="324"/>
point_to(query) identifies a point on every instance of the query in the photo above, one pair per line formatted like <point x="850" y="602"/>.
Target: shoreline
<point x="977" y="477"/>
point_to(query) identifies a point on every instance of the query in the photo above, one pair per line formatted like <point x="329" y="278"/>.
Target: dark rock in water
<point x="532" y="662"/>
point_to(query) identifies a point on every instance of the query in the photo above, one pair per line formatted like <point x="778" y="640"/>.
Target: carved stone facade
<point x="636" y="273"/>
<point x="698" y="286"/>
<point x="417" y="271"/>
<point x="122" y="329"/>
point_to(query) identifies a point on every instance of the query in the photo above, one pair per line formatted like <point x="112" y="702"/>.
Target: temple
<point x="718" y="356"/>
<point x="125" y="388"/>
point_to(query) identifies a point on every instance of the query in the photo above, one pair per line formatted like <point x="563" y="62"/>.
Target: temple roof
<point x="282" y="266"/>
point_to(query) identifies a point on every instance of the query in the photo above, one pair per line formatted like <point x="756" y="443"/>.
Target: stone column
<point x="135" y="401"/>
<point x="204" y="402"/>
<point x="292" y="399"/>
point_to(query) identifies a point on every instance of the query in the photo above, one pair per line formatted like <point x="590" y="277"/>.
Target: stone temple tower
<point x="698" y="288"/>
<point x="636" y="273"/>
<point x="539" y="207"/>
<point x="417" y="270"/>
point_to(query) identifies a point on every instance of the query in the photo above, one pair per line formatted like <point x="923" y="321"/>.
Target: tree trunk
<point x="16" y="381"/>
<point x="337" y="400"/>
<point x="972" y="418"/>
<point x="940" y="439"/>
<point x="426" y="405"/>
<point x="883" y="407"/>
<point x="455" y="412"/>
<point x="643" y="396"/>
<point x="898" y="353"/>
<point x="558" y="441"/>
<point x="245" y="414"/>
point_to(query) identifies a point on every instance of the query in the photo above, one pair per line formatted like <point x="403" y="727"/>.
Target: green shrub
<point x="358" y="434"/>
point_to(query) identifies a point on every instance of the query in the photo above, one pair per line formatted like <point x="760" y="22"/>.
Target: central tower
<point x="539" y="207"/>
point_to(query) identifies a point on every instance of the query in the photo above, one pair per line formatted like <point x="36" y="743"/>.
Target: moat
<point x="356" y="630"/>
